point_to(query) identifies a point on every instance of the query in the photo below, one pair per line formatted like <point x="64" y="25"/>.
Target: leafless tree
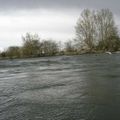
<point x="97" y="28"/>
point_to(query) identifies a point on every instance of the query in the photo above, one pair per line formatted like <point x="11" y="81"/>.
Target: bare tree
<point x="97" y="30"/>
<point x="85" y="29"/>
<point x="13" y="52"/>
<point x="107" y="30"/>
<point x="69" y="47"/>
<point x="31" y="45"/>
<point x="49" y="48"/>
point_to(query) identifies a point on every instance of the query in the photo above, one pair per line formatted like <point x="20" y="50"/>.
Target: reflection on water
<point x="83" y="87"/>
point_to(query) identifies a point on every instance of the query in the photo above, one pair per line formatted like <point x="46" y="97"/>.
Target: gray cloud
<point x="32" y="4"/>
<point x="17" y="16"/>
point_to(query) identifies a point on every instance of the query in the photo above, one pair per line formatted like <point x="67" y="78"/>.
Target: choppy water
<point x="83" y="87"/>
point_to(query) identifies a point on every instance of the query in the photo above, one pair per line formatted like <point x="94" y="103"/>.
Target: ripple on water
<point x="83" y="87"/>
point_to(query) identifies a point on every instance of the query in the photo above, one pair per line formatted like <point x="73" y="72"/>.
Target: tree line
<point x="32" y="46"/>
<point x="96" y="31"/>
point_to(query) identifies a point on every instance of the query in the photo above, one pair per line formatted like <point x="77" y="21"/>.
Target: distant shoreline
<point x="87" y="53"/>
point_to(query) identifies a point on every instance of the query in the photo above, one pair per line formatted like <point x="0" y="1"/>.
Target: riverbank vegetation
<point x="96" y="32"/>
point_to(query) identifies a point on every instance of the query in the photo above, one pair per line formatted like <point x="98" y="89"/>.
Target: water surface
<point x="85" y="87"/>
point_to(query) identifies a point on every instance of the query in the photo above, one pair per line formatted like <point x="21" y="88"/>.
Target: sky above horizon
<point x="51" y="19"/>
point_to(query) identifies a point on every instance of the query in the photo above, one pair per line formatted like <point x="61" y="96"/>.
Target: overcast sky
<point x="49" y="18"/>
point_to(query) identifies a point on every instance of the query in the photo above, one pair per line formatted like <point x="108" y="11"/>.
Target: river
<point x="85" y="87"/>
